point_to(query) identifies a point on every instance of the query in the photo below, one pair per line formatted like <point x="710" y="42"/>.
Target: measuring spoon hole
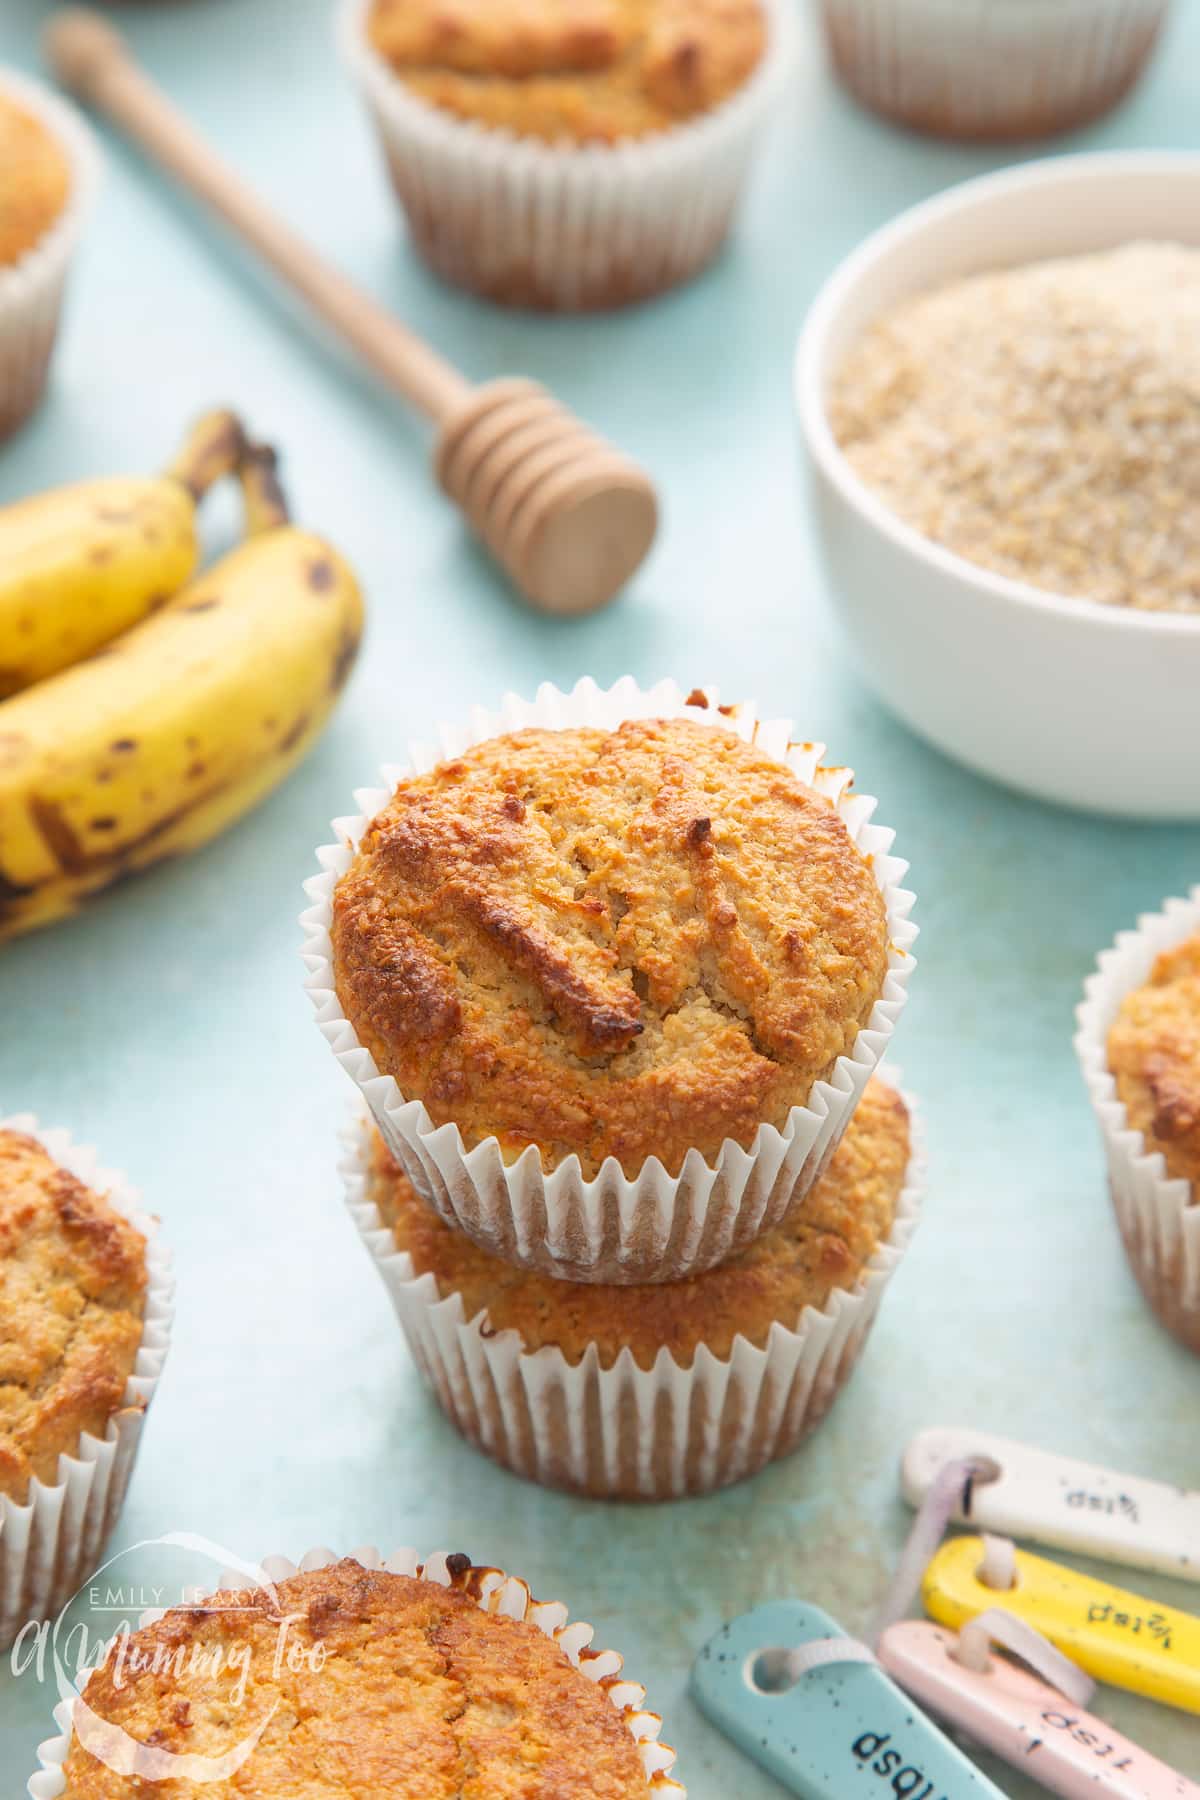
<point x="986" y="1470"/>
<point x="770" y="1672"/>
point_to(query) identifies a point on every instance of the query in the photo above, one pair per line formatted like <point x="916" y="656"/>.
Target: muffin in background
<point x="567" y="158"/>
<point x="365" y="1677"/>
<point x="1139" y="1048"/>
<point x="990" y="69"/>
<point x="590" y="73"/>
<point x="1154" y="1054"/>
<point x="45" y="173"/>
<point x="655" y="1391"/>
<point x="84" y="1326"/>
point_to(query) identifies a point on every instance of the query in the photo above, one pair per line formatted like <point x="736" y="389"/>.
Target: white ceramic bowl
<point x="1079" y="703"/>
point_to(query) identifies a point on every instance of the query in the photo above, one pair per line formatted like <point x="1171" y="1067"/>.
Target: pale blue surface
<point x="169" y="1025"/>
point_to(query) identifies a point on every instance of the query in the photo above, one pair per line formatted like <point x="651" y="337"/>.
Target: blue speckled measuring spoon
<point x="841" y="1731"/>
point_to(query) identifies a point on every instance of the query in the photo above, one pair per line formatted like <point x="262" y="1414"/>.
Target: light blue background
<point x="169" y="1025"/>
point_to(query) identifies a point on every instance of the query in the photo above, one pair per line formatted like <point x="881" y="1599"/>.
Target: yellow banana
<point x="180" y="726"/>
<point x="81" y="564"/>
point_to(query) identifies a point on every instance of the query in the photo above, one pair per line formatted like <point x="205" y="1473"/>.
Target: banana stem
<point x="264" y="500"/>
<point x="213" y="448"/>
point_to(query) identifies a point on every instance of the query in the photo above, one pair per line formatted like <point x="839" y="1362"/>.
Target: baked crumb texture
<point x="574" y="71"/>
<point x="420" y="1696"/>
<point x="625" y="943"/>
<point x="1154" y="1053"/>
<point x="72" y="1294"/>
<point x="35" y="181"/>
<point x="824" y="1244"/>
<point x="1042" y="422"/>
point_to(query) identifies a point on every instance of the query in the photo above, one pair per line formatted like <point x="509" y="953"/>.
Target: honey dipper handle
<point x="91" y="59"/>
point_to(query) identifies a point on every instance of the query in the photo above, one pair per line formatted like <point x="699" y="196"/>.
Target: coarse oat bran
<point x="1044" y="422"/>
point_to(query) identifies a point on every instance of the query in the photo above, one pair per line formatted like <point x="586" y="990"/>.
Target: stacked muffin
<point x="613" y="986"/>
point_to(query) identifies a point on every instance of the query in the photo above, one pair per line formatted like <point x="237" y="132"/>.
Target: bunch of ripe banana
<point x="141" y="710"/>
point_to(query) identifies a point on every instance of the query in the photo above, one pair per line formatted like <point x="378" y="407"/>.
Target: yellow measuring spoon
<point x="1116" y="1636"/>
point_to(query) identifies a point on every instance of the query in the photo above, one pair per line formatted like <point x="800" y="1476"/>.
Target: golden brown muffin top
<point x="824" y="1244"/>
<point x="1154" y="1052"/>
<point x="621" y="943"/>
<point x="72" y="1294"/>
<point x="35" y="179"/>
<point x="389" y="1686"/>
<point x="580" y="71"/>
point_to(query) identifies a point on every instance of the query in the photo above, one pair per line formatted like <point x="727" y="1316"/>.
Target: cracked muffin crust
<point x="35" y="181"/>
<point x="1154" y="1053"/>
<point x="389" y="1685"/>
<point x="824" y="1244"/>
<point x="72" y="1293"/>
<point x="625" y="943"/>
<point x="575" y="71"/>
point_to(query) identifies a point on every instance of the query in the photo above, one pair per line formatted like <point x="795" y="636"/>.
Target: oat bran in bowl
<point x="1007" y="546"/>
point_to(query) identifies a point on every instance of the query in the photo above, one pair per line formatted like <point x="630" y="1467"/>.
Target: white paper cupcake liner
<point x="1159" y="1218"/>
<point x="52" y="1543"/>
<point x="494" y="1592"/>
<point x="31" y="290"/>
<point x="654" y="1227"/>
<point x="626" y="1432"/>
<point x="536" y="224"/>
<point x="990" y="68"/>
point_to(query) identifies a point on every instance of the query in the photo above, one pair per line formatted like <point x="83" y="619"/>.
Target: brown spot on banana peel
<point x="295" y="733"/>
<point x="58" y="835"/>
<point x="74" y="860"/>
<point x="10" y="892"/>
<point x="200" y="606"/>
<point x="322" y="576"/>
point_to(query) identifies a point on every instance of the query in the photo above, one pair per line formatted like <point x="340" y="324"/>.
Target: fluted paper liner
<point x="31" y="289"/>
<point x="556" y="225"/>
<point x="626" y="1432"/>
<point x="1159" y="1217"/>
<point x="990" y="68"/>
<point x="494" y="1592"/>
<point x="654" y="1227"/>
<point x="52" y="1543"/>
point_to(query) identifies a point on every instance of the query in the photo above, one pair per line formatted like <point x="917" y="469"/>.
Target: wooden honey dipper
<point x="569" y="517"/>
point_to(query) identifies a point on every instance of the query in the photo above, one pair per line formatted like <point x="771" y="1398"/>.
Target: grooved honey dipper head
<point x="569" y="517"/>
